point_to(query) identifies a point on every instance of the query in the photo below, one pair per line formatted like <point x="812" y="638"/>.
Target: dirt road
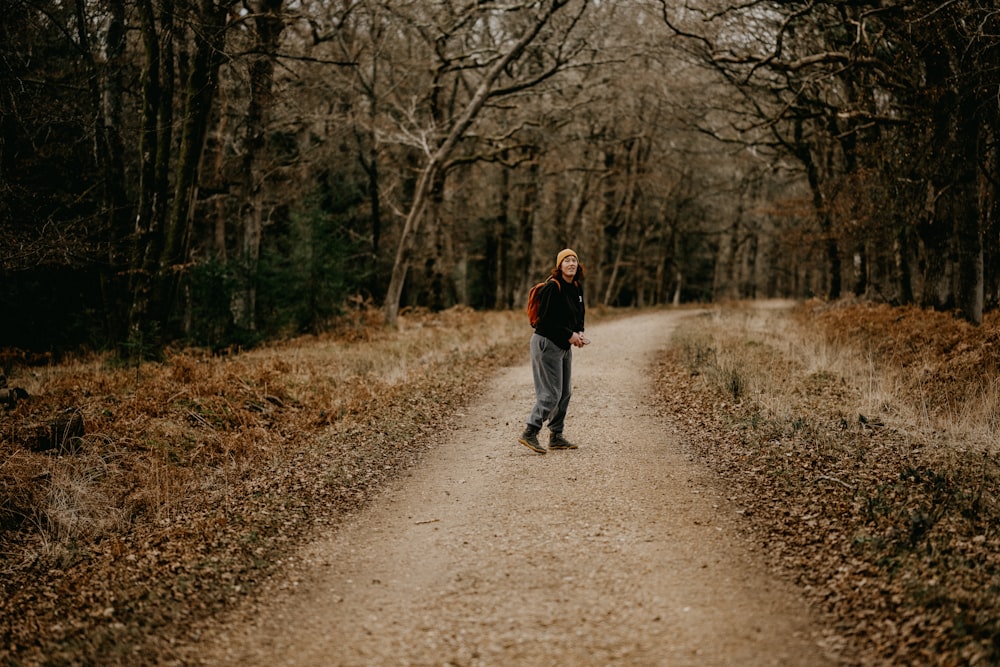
<point x="623" y="552"/>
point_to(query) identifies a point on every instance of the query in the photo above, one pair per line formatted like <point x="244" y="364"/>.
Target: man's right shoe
<point x="530" y="440"/>
<point x="557" y="441"/>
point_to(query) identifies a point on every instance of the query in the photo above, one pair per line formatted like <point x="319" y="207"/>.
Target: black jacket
<point x="560" y="311"/>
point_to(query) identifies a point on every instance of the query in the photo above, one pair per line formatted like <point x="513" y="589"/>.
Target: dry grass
<point x="195" y="476"/>
<point x="939" y="373"/>
<point x="862" y="441"/>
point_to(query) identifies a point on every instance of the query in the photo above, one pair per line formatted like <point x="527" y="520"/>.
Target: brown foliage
<point x="890" y="527"/>
<point x="945" y="358"/>
<point x="196" y="476"/>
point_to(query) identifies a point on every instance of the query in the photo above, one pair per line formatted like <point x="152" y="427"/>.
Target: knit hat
<point x="563" y="254"/>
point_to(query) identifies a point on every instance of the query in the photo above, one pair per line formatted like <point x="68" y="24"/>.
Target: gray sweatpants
<point x="551" y="370"/>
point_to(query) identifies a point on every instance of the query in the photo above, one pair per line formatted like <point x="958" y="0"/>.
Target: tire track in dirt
<point x="623" y="552"/>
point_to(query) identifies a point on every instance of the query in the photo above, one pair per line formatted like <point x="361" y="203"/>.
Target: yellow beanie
<point x="563" y="254"/>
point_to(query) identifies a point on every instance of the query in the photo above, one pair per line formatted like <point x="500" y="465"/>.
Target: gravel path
<point x="623" y="552"/>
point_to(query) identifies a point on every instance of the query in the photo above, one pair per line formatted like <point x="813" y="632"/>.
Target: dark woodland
<point x="219" y="172"/>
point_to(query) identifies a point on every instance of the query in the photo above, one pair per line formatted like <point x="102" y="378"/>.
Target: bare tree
<point x="853" y="81"/>
<point x="491" y="84"/>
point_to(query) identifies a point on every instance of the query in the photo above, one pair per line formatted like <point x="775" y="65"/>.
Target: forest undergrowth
<point x="859" y="441"/>
<point x="186" y="483"/>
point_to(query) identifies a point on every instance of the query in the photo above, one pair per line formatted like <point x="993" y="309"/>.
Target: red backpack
<point x="534" y="299"/>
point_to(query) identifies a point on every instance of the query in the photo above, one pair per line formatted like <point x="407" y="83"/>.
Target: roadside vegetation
<point x="184" y="483"/>
<point x="860" y="442"/>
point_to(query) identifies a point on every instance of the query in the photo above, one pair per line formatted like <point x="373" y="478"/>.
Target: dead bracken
<point x="193" y="479"/>
<point x="861" y="448"/>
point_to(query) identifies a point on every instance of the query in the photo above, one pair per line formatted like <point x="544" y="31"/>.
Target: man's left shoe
<point x="557" y="441"/>
<point x="530" y="440"/>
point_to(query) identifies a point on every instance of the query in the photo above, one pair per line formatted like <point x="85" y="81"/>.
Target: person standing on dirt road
<point x="559" y="329"/>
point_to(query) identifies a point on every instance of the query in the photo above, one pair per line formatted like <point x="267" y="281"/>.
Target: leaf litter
<point x="872" y="500"/>
<point x="197" y="477"/>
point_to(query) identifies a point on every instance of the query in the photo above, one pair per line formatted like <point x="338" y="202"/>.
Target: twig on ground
<point x="834" y="479"/>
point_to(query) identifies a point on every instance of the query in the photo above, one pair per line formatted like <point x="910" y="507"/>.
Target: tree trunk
<point x="371" y="168"/>
<point x="860" y="270"/>
<point x="526" y="221"/>
<point x="991" y="222"/>
<point x="935" y="239"/>
<point x="969" y="291"/>
<point x="368" y="146"/>
<point x="115" y="198"/>
<point x="439" y="264"/>
<point x="573" y="227"/>
<point x="831" y="250"/>
<point x="749" y="287"/>
<point x="627" y="210"/>
<point x="497" y="249"/>
<point x="148" y="226"/>
<point x="199" y="98"/>
<point x="269" y="26"/>
<point x="902" y="265"/>
<point x="725" y="263"/>
<point x="954" y="204"/>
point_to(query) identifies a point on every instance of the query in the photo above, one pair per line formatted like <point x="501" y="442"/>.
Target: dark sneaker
<point x="530" y="440"/>
<point x="557" y="441"/>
